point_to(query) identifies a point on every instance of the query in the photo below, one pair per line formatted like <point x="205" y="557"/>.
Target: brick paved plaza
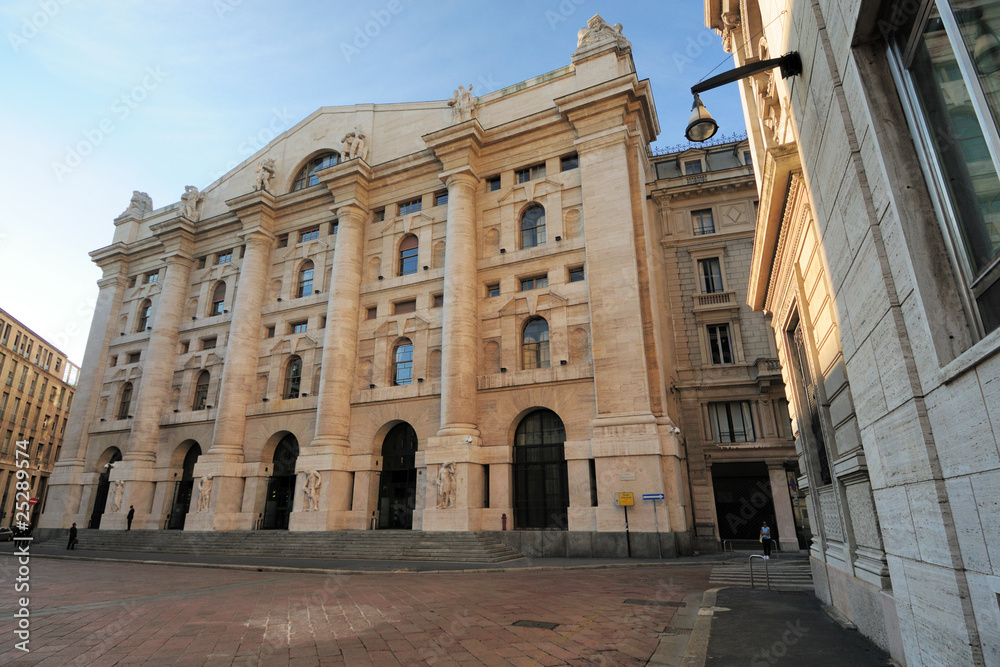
<point x="94" y="613"/>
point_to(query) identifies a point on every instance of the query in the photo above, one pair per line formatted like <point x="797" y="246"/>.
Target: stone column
<point x="460" y="326"/>
<point x="136" y="468"/>
<point x="328" y="452"/>
<point x="224" y="459"/>
<point x="66" y="484"/>
<point x="783" y="515"/>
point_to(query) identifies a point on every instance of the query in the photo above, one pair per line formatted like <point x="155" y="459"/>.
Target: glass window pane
<point x="970" y="176"/>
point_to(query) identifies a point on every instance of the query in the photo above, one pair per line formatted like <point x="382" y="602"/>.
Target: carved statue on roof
<point x="355" y="144"/>
<point x="189" y="203"/>
<point x="463" y="105"/>
<point x="141" y="204"/>
<point x="598" y="31"/>
<point x="265" y="172"/>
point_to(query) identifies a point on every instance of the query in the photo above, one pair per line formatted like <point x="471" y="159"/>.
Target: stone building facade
<point x="741" y="459"/>
<point x="877" y="258"/>
<point x="37" y="384"/>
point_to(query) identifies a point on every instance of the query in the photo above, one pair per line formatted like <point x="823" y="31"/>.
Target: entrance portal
<point x="541" y="480"/>
<point x="281" y="485"/>
<point x="103" y="485"/>
<point x="397" y="494"/>
<point x="183" y="489"/>
<point x="743" y="500"/>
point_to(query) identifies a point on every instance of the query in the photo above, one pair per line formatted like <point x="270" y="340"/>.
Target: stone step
<point x="352" y="545"/>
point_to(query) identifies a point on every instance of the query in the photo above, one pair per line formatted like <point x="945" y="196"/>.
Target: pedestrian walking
<point x="131" y="515"/>
<point x="765" y="539"/>
<point x="72" y="537"/>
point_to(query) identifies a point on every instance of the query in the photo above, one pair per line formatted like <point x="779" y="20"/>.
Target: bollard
<point x="503" y="521"/>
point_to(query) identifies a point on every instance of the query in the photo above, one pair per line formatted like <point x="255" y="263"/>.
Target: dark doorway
<point x="281" y="485"/>
<point x="541" y="481"/>
<point x="103" y="485"/>
<point x="743" y="500"/>
<point x="183" y="489"/>
<point x="397" y="494"/>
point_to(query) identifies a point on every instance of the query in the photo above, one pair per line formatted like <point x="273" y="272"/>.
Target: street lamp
<point x="701" y="125"/>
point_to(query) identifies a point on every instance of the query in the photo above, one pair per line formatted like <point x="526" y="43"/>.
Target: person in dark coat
<point x="72" y="538"/>
<point x="131" y="515"/>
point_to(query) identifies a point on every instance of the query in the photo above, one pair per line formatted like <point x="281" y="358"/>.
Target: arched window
<point x="218" y="299"/>
<point x="402" y="362"/>
<point x="201" y="391"/>
<point x="408" y="255"/>
<point x="145" y="311"/>
<point x="306" y="279"/>
<point x="126" y="401"/>
<point x="541" y="480"/>
<point x="535" y="344"/>
<point x="533" y="227"/>
<point x="293" y="378"/>
<point x="307" y="175"/>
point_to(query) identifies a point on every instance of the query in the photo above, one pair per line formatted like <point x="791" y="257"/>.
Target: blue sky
<point x="102" y="98"/>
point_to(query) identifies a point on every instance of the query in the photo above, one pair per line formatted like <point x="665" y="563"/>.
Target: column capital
<point x="112" y="281"/>
<point x="256" y="210"/>
<point x="458" y="146"/>
<point x="350" y="212"/>
<point x="597" y="109"/>
<point x="348" y="182"/>
<point x="177" y="237"/>
<point x="461" y="176"/>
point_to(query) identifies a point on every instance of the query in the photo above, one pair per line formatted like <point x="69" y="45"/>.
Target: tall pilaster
<point x="136" y="468"/>
<point x="458" y="439"/>
<point x="328" y="453"/>
<point x="224" y="459"/>
<point x="68" y="479"/>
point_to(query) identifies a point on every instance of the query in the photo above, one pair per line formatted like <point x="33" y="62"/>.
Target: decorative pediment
<point x="551" y="300"/>
<point x="282" y="347"/>
<point x="307" y="250"/>
<point x="213" y="359"/>
<point x="120" y="375"/>
<point x="415" y="323"/>
<point x="193" y="363"/>
<point x="305" y="343"/>
<point x="388" y="328"/>
<point x="540" y="188"/>
<point x="135" y="373"/>
<point x="510" y="307"/>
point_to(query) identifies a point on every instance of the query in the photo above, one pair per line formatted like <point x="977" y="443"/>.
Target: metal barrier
<point x="767" y="574"/>
<point x="727" y="546"/>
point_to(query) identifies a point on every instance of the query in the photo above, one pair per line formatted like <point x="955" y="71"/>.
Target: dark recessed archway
<point x="397" y="494"/>
<point x="541" y="480"/>
<point x="281" y="485"/>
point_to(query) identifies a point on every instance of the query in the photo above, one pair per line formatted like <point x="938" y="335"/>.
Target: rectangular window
<point x="405" y="306"/>
<point x="270" y="331"/>
<point x="493" y="184"/>
<point x="703" y="222"/>
<point x="441" y="198"/>
<point x="3" y="404"/>
<point x="747" y="158"/>
<point x="24" y="416"/>
<point x="299" y="327"/>
<point x="593" y="483"/>
<point x="151" y="277"/>
<point x="534" y="282"/>
<point x="185" y="346"/>
<point x="13" y="412"/>
<point x="569" y="162"/>
<point x="283" y="241"/>
<point x="438" y="301"/>
<point x="24" y="377"/>
<point x="720" y="346"/>
<point x="530" y="173"/>
<point x="309" y="235"/>
<point x="208" y="343"/>
<point x="731" y="422"/>
<point x="131" y="283"/>
<point x="410" y="207"/>
<point x="6" y="442"/>
<point x="335" y="226"/>
<point x="493" y="290"/>
<point x="113" y="361"/>
<point x="710" y="274"/>
<point x="224" y="257"/>
<point x="201" y="262"/>
<point x="576" y="274"/>
<point x="379" y="215"/>
<point x="133" y="357"/>
<point x="371" y="313"/>
<point x="949" y="69"/>
<point x="692" y="167"/>
<point x="11" y="374"/>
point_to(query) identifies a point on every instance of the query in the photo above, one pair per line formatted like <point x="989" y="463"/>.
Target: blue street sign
<point x="652" y="496"/>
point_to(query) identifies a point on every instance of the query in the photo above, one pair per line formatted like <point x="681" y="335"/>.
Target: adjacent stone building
<point x="741" y="458"/>
<point x="877" y="258"/>
<point x="37" y="383"/>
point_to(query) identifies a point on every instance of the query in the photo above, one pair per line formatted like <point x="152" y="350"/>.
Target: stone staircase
<point x="331" y="545"/>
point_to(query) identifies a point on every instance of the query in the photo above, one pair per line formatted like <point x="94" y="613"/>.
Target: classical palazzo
<point x="437" y="316"/>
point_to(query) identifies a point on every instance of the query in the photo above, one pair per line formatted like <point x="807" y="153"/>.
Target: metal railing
<point x="767" y="574"/>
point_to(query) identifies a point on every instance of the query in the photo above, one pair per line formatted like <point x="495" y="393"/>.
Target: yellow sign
<point x="626" y="499"/>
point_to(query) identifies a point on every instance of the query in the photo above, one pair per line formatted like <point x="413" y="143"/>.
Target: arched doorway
<point x="113" y="455"/>
<point x="541" y="481"/>
<point x="281" y="485"/>
<point x="397" y="494"/>
<point x="183" y="489"/>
